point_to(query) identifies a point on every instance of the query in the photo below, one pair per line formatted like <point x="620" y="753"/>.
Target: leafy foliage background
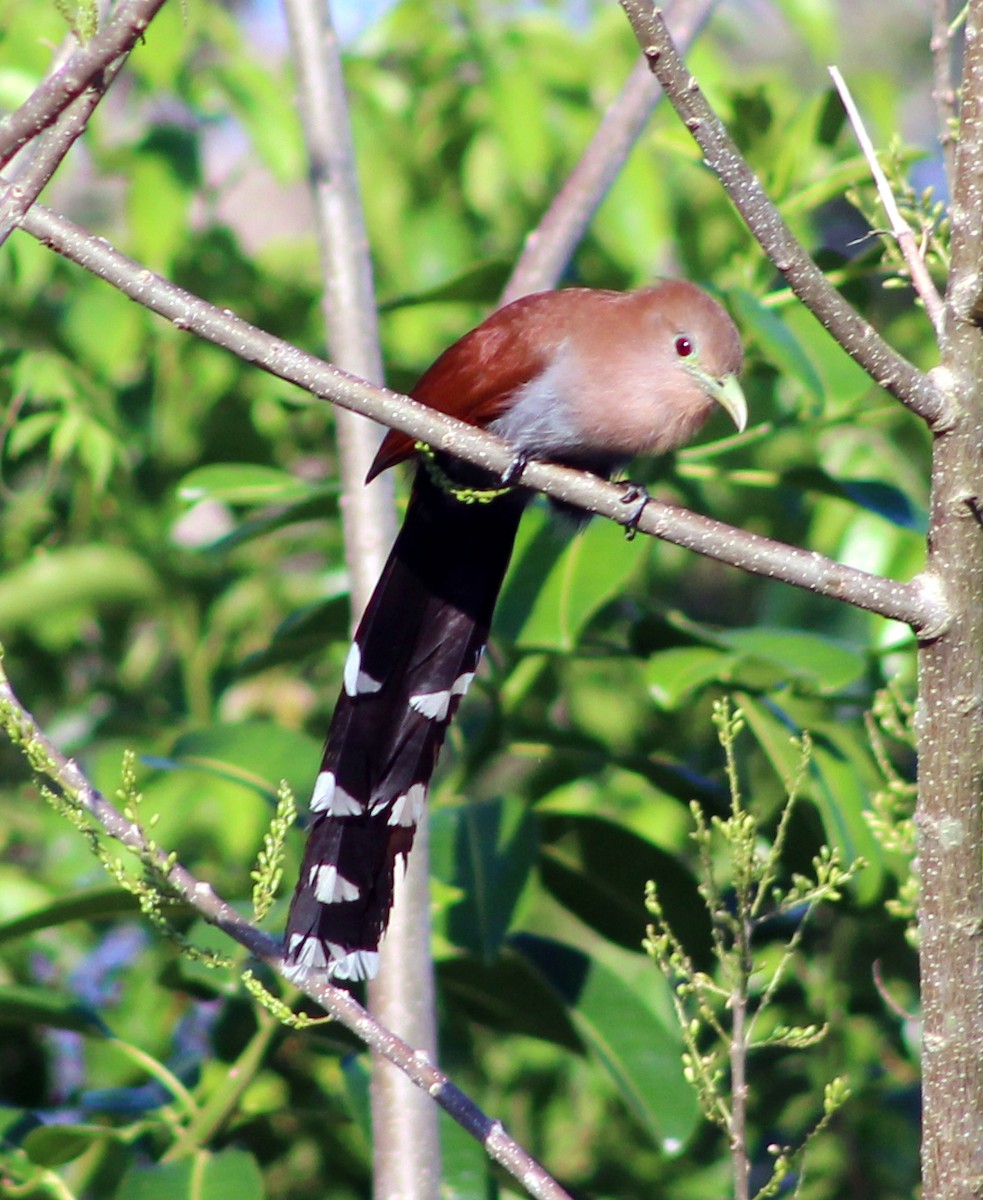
<point x="172" y="582"/>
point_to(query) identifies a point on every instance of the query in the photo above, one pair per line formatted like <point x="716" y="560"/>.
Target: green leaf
<point x="832" y="117"/>
<point x="108" y="331"/>
<point x="54" y="1145"/>
<point x="96" y="905"/>
<point x="777" y="340"/>
<point x="486" y="852"/>
<point x="553" y="592"/>
<point x="305" y="632"/>
<point x="834" y="785"/>
<point x="43" y="1006"/>
<point x="481" y="284"/>
<point x="874" y="495"/>
<point x="674" y="675"/>
<point x="599" y="870"/>
<point x="357" y="1072"/>
<point x="507" y="995"/>
<point x="157" y="209"/>
<point x="315" y="505"/>
<point x="263" y="102"/>
<point x="615" y="1012"/>
<point x="887" y="501"/>
<point x="257" y="754"/>
<point x="804" y="656"/>
<point x="228" y="1175"/>
<point x="243" y="483"/>
<point x="53" y="580"/>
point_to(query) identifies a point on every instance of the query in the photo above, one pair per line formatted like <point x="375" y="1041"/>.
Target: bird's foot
<point x="515" y="468"/>
<point x="634" y="494"/>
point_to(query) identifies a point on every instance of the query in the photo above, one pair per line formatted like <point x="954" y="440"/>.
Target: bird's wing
<point x="475" y="378"/>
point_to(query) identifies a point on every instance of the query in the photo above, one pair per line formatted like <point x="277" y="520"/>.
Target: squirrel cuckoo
<point x="582" y="377"/>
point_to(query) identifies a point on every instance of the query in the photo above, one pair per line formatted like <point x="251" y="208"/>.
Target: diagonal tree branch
<point x="43" y="107"/>
<point x="919" y="603"/>
<point x="858" y="338"/>
<point x="66" y="775"/>
<point x="550" y="246"/>
<point x="50" y="148"/>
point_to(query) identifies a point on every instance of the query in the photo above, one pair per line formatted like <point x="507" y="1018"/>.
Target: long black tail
<point x="413" y="658"/>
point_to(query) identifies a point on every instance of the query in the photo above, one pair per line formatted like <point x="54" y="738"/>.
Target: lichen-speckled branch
<point x="919" y="602"/>
<point x="66" y="776"/>
<point x="857" y="337"/>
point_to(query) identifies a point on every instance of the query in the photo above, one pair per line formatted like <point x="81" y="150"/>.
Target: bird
<point x="585" y="377"/>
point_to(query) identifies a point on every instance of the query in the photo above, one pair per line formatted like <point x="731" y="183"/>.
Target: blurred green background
<point x="172" y="581"/>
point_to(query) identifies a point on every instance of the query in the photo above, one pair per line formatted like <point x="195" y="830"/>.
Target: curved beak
<point x="727" y="392"/>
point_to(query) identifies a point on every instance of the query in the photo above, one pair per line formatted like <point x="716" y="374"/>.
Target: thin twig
<point x="550" y="246"/>
<point x="857" y="337"/>
<point x="65" y="774"/>
<point x="920" y="277"/>
<point x="44" y="106"/>
<point x="919" y="603"/>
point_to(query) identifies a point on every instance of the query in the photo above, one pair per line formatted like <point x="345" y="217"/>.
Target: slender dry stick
<point x="943" y="93"/>
<point x="920" y="277"/>
<point x="949" y="722"/>
<point x="550" y="246"/>
<point x="118" y="36"/>
<point x="919" y="602"/>
<point x="67" y="777"/>
<point x="858" y="338"/>
<point x="406" y="1135"/>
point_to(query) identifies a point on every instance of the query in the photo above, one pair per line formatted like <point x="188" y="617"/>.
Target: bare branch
<point x="50" y="148"/>
<point x="118" y="36"/>
<point x="406" y="1145"/>
<point x="858" y="338"/>
<point x="919" y="603"/>
<point x="66" y="775"/>
<point x="550" y="246"/>
<point x="348" y="301"/>
<point x="920" y="277"/>
<point x="950" y="687"/>
<point x="943" y="93"/>
<point x="965" y="295"/>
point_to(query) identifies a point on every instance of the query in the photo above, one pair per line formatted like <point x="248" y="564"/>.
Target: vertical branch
<point x="943" y="93"/>
<point x="349" y="299"/>
<point x="406" y="1145"/>
<point x="739" y="1048"/>
<point x="950" y="720"/>
<point x="550" y="246"/>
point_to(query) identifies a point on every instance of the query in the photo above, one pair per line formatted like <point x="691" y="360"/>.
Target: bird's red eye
<point x="684" y="346"/>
